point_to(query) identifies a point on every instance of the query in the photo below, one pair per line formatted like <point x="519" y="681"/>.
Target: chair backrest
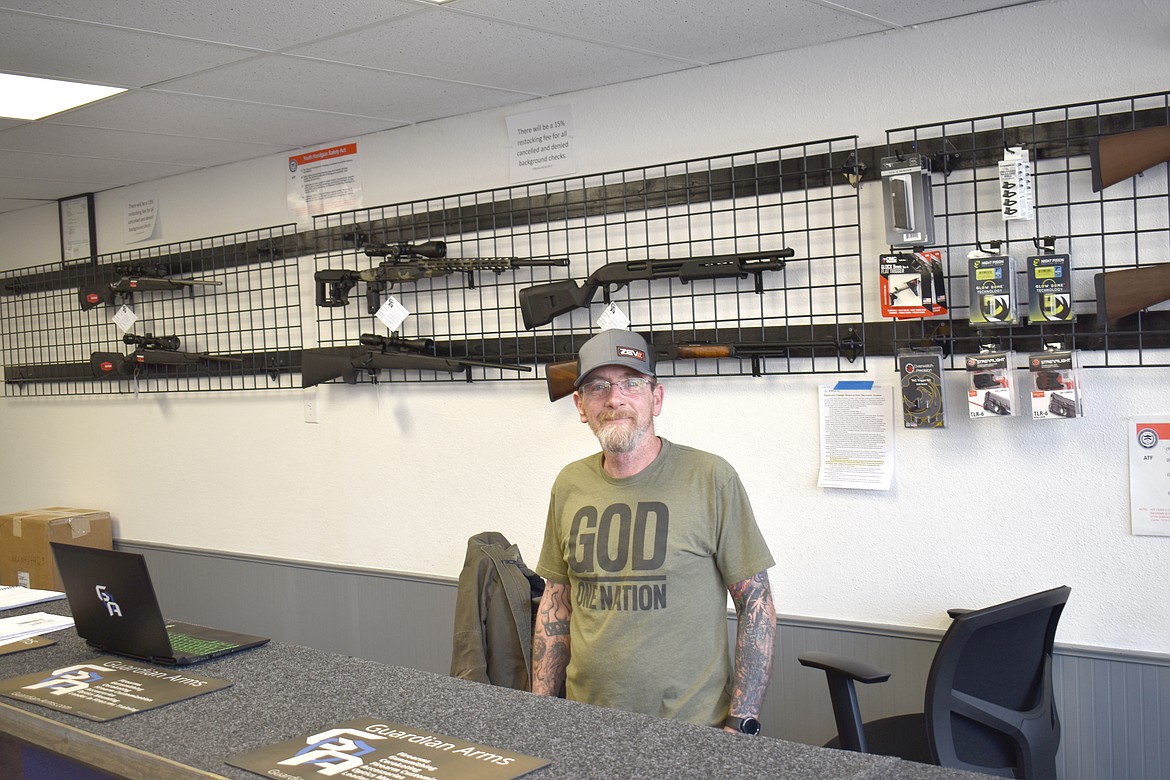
<point x="989" y="704"/>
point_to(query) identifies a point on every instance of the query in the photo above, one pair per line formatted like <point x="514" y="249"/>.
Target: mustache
<point x="616" y="415"/>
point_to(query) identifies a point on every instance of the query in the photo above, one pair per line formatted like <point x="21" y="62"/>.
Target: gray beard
<point x="620" y="439"/>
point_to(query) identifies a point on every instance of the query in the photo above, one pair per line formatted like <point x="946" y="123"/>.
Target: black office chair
<point x="989" y="705"/>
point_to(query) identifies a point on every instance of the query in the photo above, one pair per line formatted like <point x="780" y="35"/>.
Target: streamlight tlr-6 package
<point x="991" y="388"/>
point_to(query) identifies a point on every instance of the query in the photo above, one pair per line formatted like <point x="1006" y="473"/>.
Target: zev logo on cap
<point x="630" y="352"/>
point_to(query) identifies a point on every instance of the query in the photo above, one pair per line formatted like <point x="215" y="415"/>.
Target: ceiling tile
<point x="66" y="50"/>
<point x="701" y="32"/>
<point x="261" y="26"/>
<point x="111" y="173"/>
<point x="151" y="111"/>
<point x="910" y="12"/>
<point x="281" y="80"/>
<point x="130" y="145"/>
<point x="538" y="62"/>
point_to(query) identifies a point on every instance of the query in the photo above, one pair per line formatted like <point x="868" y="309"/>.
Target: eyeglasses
<point x="631" y="385"/>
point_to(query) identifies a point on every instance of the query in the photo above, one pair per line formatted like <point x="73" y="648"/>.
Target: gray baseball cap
<point x="614" y="348"/>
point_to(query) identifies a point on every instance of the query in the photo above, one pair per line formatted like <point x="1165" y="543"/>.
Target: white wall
<point x="399" y="477"/>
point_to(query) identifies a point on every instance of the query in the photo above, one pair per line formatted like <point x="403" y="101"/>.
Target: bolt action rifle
<point x="380" y="352"/>
<point x="409" y="263"/>
<point x="161" y="352"/>
<point x="1126" y="292"/>
<point x="1115" y="158"/>
<point x="135" y="278"/>
<point x="561" y="378"/>
<point x="542" y="303"/>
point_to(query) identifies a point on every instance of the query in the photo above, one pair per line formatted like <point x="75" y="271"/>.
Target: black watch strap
<point x="748" y="725"/>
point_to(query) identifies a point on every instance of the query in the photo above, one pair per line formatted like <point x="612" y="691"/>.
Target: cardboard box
<point x="25" y="556"/>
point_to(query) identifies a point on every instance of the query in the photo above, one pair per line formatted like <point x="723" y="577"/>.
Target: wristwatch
<point x="748" y="725"/>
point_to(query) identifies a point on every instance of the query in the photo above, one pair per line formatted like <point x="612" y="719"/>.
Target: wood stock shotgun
<point x="562" y="377"/>
<point x="1121" y="293"/>
<point x="1115" y="158"/>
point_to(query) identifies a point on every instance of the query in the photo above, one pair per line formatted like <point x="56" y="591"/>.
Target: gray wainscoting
<point x="1115" y="706"/>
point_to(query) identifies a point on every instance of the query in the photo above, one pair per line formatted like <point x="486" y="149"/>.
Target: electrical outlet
<point x="311" y="405"/>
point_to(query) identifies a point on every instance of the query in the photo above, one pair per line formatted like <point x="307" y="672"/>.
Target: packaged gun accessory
<point x="991" y="390"/>
<point x="1056" y="384"/>
<point x="991" y="282"/>
<point x="1015" y="185"/>
<point x="909" y="204"/>
<point x="922" y="388"/>
<point x="1050" y="289"/>
<point x="911" y="285"/>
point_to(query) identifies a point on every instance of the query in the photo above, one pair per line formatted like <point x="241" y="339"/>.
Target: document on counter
<point x="107" y="688"/>
<point x="857" y="436"/>
<point x="23" y="626"/>
<point x="382" y="750"/>
<point x="13" y="596"/>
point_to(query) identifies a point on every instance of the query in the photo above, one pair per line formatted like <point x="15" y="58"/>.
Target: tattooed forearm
<point x="550" y="643"/>
<point x="755" y="635"/>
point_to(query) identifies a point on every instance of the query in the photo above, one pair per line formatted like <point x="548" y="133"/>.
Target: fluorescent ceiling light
<point x="25" y="97"/>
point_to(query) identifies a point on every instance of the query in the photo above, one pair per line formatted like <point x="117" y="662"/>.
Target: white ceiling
<point x="218" y="81"/>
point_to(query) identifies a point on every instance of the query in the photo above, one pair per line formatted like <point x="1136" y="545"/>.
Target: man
<point x="642" y="543"/>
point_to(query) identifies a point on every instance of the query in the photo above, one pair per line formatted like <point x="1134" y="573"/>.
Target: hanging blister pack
<point x="1056" y="384"/>
<point x="991" y="282"/>
<point x="921" y="371"/>
<point x="1050" y="288"/>
<point x="912" y="285"/>
<point x="991" y="388"/>
<point x="909" y="205"/>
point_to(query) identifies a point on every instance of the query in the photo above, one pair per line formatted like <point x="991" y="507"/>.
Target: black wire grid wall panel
<point x="765" y="200"/>
<point x="1123" y="226"/>
<point x="239" y="327"/>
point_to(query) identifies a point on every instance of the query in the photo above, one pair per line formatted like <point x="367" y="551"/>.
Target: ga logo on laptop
<point x="334" y="751"/>
<point x="111" y="605"/>
<point x="69" y="679"/>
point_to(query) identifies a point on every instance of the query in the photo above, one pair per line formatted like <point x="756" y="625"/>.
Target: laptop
<point x="115" y="610"/>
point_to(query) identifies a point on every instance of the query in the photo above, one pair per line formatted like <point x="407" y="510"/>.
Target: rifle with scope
<point x="376" y="353"/>
<point x="150" y="351"/>
<point x="136" y="277"/>
<point x="542" y="303"/>
<point x="561" y="377"/>
<point x="409" y="263"/>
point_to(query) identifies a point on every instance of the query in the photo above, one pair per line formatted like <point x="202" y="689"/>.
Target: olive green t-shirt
<point x="648" y="560"/>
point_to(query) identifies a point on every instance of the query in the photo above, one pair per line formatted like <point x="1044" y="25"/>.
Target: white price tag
<point x="125" y="318"/>
<point x="613" y="318"/>
<point x="392" y="313"/>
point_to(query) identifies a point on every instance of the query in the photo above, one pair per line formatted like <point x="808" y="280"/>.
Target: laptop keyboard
<point x="194" y="645"/>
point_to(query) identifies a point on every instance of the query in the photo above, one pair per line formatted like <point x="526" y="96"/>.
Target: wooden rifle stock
<point x="1121" y="293"/>
<point x="1115" y="158"/>
<point x="562" y="377"/>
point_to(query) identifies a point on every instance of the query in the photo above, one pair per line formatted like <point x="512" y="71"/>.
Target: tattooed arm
<point x="550" y="644"/>
<point x="755" y="634"/>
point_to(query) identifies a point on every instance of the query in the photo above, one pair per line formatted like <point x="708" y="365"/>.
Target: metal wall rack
<point x="1126" y="225"/>
<point x="790" y="196"/>
<point x="250" y="315"/>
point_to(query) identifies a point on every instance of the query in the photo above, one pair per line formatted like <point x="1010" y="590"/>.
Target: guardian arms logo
<point x="334" y="751"/>
<point x="69" y="679"/>
<point x="111" y="605"/>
